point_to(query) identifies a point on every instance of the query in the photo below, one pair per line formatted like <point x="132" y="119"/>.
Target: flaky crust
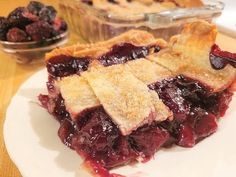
<point x="188" y="54"/>
<point x="77" y="93"/>
<point x="135" y="37"/>
<point x="148" y="71"/>
<point x="125" y="98"/>
<point x="122" y="89"/>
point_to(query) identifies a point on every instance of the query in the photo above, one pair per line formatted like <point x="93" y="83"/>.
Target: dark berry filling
<point x="63" y="65"/>
<point x="125" y="52"/>
<point x="59" y="109"/>
<point x="148" y="139"/>
<point x="98" y="140"/>
<point x="44" y="100"/>
<point x="195" y="108"/>
<point x="51" y="84"/>
<point x="95" y="137"/>
<point x="98" y="135"/>
<point x="219" y="59"/>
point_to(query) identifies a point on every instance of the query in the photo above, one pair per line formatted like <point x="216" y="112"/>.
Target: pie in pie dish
<point x="128" y="7"/>
<point x="121" y="100"/>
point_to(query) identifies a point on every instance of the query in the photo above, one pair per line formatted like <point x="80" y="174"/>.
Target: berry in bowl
<point x="29" y="32"/>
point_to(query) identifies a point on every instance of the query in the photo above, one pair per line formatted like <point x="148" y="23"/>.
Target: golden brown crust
<point x="122" y="89"/>
<point x="78" y="94"/>
<point x="148" y="71"/>
<point x="188" y="54"/>
<point x="189" y="3"/>
<point x="126" y="99"/>
<point x="69" y="51"/>
<point x="135" y="37"/>
<point x="99" y="86"/>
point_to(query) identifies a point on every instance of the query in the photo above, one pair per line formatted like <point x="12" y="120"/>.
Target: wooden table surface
<point x="12" y="75"/>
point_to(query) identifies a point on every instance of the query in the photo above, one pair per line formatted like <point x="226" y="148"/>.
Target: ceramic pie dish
<point x="121" y="100"/>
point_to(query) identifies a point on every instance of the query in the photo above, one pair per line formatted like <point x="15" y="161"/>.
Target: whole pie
<point x="121" y="100"/>
<point x="129" y="7"/>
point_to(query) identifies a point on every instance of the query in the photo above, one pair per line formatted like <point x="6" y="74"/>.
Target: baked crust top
<point x="188" y="54"/>
<point x="122" y="89"/>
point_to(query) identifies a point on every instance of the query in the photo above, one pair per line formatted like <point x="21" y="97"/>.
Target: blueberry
<point x="35" y="7"/>
<point x="48" y="13"/>
<point x="39" y="30"/>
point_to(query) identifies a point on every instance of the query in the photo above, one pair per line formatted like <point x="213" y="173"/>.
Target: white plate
<point x="31" y="139"/>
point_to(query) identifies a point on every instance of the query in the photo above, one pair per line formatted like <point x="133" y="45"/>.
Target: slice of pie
<point x="121" y="100"/>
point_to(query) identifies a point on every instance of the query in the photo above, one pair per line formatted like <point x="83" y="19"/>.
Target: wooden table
<point x="12" y="75"/>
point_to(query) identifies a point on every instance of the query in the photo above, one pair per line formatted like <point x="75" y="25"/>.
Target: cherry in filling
<point x="219" y="59"/>
<point x="95" y="137"/>
<point x="195" y="109"/>
<point x="124" y="52"/>
<point x="63" y="65"/>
